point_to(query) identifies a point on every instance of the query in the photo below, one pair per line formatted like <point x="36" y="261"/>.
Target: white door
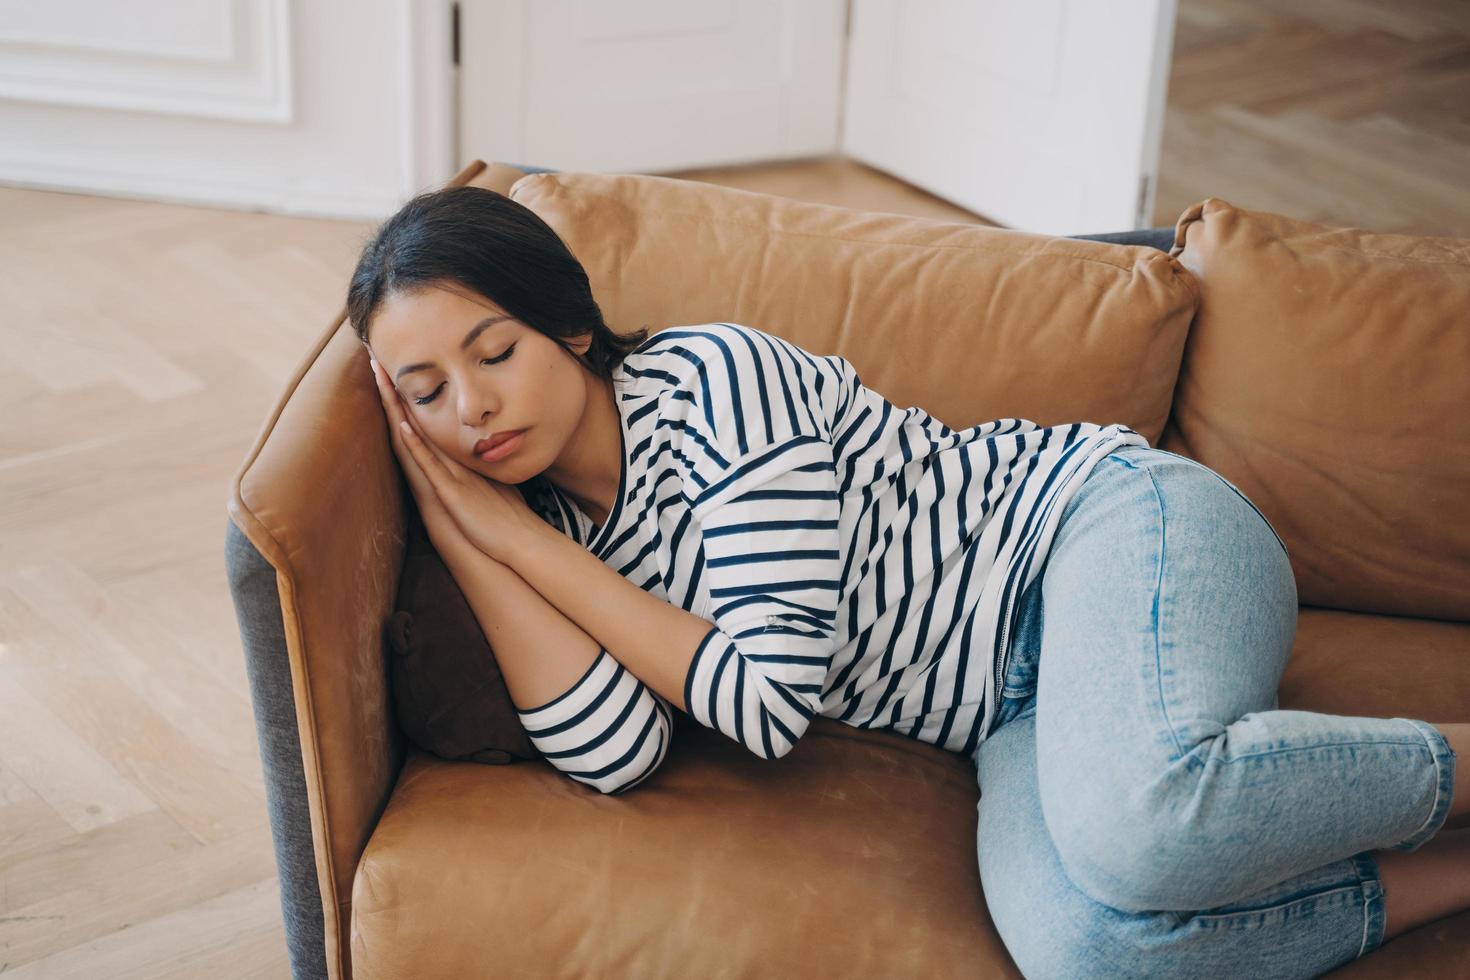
<point x="641" y="86"/>
<point x="1042" y="115"/>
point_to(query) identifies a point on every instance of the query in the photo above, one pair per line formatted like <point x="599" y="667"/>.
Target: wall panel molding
<point x="229" y="59"/>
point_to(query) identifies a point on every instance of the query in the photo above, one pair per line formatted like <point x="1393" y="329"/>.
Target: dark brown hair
<point x="493" y="246"/>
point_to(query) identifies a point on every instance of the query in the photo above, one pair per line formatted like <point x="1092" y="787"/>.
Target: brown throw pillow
<point x="448" y="692"/>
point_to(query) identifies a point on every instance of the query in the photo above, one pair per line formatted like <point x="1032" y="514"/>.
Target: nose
<point x="473" y="406"/>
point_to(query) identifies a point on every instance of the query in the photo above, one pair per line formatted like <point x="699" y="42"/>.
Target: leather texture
<point x="327" y="510"/>
<point x="727" y="866"/>
<point x="724" y="864"/>
<point x="968" y="322"/>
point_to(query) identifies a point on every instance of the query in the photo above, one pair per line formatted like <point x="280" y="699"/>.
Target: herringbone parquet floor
<point x="1347" y="112"/>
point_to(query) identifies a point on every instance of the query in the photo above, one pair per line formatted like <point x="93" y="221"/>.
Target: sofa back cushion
<point x="968" y="322"/>
<point x="1328" y="377"/>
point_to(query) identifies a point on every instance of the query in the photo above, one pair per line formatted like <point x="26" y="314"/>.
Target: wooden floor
<point x="1347" y="112"/>
<point x="144" y="344"/>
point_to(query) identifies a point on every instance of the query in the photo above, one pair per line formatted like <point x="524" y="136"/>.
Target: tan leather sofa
<point x="1323" y="372"/>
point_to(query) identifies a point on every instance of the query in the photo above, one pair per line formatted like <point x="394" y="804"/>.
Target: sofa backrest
<point x="967" y="322"/>
<point x="1327" y="375"/>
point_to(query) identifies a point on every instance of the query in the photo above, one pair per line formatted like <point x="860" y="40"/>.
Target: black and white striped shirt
<point x="859" y="561"/>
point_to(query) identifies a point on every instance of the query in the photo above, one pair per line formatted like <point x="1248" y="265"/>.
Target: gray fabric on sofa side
<point x="263" y="636"/>
<point x="1159" y="238"/>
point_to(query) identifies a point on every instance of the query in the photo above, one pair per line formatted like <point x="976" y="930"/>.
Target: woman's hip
<point x="1152" y="534"/>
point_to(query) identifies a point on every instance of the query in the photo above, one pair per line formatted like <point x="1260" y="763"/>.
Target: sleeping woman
<point x="712" y="519"/>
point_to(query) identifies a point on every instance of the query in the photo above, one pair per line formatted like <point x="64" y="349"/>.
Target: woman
<point x="714" y="519"/>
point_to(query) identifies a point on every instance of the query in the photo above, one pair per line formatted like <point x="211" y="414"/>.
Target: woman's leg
<point x="1168" y="778"/>
<point x="1297" y="928"/>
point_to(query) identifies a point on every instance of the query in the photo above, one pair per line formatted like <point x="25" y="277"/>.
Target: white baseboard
<point x="329" y="199"/>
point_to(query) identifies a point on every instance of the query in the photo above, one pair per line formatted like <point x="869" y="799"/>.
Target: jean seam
<point x="1235" y="490"/>
<point x="1312" y="748"/>
<point x="1157" y="615"/>
<point x="1375" y="919"/>
<point x="1442" y="756"/>
<point x="1208" y="919"/>
<point x="1253" y="507"/>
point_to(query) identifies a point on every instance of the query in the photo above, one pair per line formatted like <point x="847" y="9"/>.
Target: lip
<point x="500" y="446"/>
<point x="494" y="441"/>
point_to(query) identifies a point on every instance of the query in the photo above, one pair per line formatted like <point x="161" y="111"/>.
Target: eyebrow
<point x="469" y="338"/>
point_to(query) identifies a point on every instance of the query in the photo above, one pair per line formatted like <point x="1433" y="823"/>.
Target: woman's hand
<point x="463" y="505"/>
<point x="444" y="534"/>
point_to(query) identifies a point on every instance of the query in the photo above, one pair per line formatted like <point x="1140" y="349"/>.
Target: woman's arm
<point x="588" y="715"/>
<point x="652" y="637"/>
<point x="541" y="653"/>
<point x="584" y="711"/>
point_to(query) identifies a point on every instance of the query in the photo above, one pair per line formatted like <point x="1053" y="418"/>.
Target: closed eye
<point x="488" y="360"/>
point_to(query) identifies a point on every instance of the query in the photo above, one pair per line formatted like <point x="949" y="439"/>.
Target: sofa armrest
<point x="268" y="668"/>
<point x="324" y="510"/>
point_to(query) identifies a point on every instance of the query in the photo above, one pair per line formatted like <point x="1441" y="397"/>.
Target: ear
<point x="580" y="345"/>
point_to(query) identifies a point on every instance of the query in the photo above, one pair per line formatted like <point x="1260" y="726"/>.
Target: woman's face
<point x="467" y="371"/>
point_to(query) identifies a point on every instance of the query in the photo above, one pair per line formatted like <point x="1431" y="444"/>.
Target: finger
<point x="412" y="471"/>
<point x="387" y="397"/>
<point x="397" y="410"/>
<point x="425" y="497"/>
<point x="395" y="405"/>
<point x="422" y="487"/>
<point x="426" y="456"/>
<point x="395" y="434"/>
<point x="386" y="391"/>
<point x="443" y="487"/>
<point x="452" y="468"/>
<point x="393" y="408"/>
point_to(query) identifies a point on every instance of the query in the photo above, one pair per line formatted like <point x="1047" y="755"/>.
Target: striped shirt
<point x="859" y="561"/>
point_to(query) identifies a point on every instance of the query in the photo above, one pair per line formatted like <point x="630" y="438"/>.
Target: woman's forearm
<point x="653" y="638"/>
<point x="541" y="652"/>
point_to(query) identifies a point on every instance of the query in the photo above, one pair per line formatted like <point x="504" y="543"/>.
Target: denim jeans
<point x="1146" y="809"/>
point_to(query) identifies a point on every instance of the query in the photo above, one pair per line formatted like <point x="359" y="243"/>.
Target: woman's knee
<point x="1107" y="858"/>
<point x="1050" y="927"/>
<point x="1132" y="850"/>
<point x="1072" y="941"/>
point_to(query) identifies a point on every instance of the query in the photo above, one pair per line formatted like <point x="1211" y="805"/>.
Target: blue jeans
<point x="1146" y="809"/>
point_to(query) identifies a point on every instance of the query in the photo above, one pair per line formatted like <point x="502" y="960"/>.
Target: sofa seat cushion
<point x="854" y="856"/>
<point x="1326" y="377"/>
<point x="1364" y="665"/>
<point x="857" y="852"/>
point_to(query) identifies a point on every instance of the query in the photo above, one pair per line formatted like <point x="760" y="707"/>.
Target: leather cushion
<point x="854" y="857"/>
<point x="449" y="696"/>
<point x="587" y="884"/>
<point x="1326" y="378"/>
<point x="968" y="322"/>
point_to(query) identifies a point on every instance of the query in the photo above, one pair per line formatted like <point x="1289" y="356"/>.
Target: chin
<point x="508" y="471"/>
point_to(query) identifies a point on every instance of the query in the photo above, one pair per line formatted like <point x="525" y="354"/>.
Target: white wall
<point x="335" y="108"/>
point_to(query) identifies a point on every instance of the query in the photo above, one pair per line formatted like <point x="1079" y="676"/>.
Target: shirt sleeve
<point x="769" y="525"/>
<point x="609" y="730"/>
